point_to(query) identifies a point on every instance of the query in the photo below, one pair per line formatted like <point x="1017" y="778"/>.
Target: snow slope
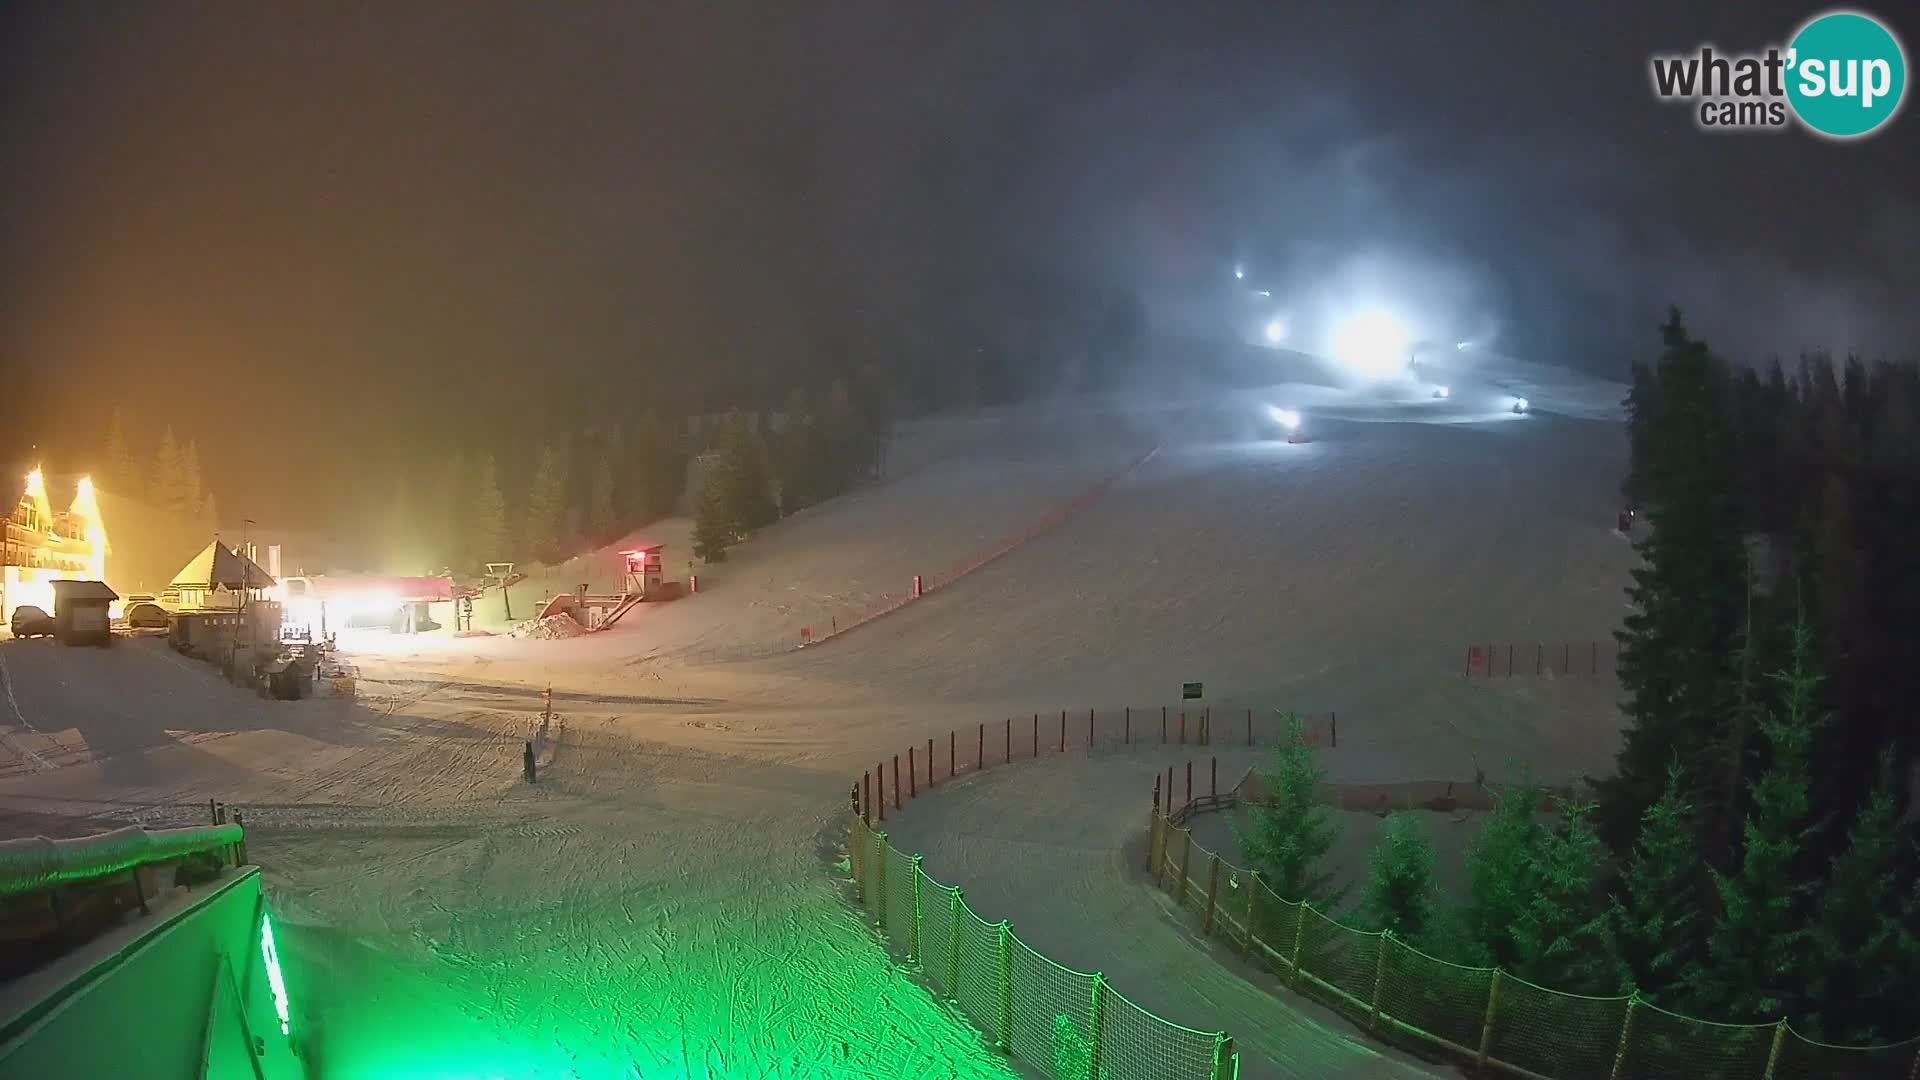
<point x="655" y="904"/>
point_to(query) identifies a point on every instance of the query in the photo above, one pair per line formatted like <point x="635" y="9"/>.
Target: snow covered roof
<point x="218" y="564"/>
<point x="65" y="591"/>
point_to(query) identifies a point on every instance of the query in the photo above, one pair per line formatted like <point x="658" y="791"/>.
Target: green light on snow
<point x="278" y="982"/>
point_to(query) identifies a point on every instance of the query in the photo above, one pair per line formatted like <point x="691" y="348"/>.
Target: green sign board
<point x="1189" y="691"/>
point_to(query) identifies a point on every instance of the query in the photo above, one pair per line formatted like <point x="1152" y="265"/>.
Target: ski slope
<point x="656" y="904"/>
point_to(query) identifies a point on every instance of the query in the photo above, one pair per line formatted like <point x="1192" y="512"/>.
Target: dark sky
<point x="393" y="222"/>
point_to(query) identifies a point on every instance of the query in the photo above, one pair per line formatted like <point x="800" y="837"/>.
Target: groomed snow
<point x="657" y="904"/>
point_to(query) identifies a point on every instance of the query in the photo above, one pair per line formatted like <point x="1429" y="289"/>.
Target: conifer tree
<point x="744" y="477"/>
<point x="799" y="464"/>
<point x="546" y="517"/>
<point x="1563" y="938"/>
<point x="1400" y="893"/>
<point x="453" y="509"/>
<point x="1865" y="974"/>
<point x="120" y="467"/>
<point x="604" y="520"/>
<point x="1293" y="829"/>
<point x="1759" y="950"/>
<point x="210" y="513"/>
<point x="168" y="488"/>
<point x="192" y="483"/>
<point x="1499" y="869"/>
<point x="713" y="529"/>
<point x="1656" y="914"/>
<point x="1677" y="646"/>
<point x="485" y="517"/>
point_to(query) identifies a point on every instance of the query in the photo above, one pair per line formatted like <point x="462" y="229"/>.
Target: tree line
<point x="761" y="470"/>
<point x="1750" y="859"/>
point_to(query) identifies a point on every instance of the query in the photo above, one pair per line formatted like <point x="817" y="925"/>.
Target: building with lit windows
<point x="42" y="546"/>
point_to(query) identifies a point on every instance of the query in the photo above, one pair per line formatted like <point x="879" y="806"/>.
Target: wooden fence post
<point x="896" y="781"/>
<point x="1005" y="951"/>
<point x="1379" y="977"/>
<point x="1186" y="856"/>
<point x="240" y="845"/>
<point x="1036" y="734"/>
<point x="980" y="752"/>
<point x="913" y="776"/>
<point x="866" y="798"/>
<point x="1095" y="1021"/>
<point x="1128" y="715"/>
<point x="1213" y="777"/>
<point x="953" y="755"/>
<point x="1299" y="938"/>
<point x="1163" y="725"/>
<point x="953" y="943"/>
<point x="1626" y="1033"/>
<point x="1213" y="891"/>
<point x="880" y="880"/>
<point x="1153" y="822"/>
<point x="913" y="946"/>
<point x="1333" y="730"/>
<point x="1189" y="801"/>
<point x="1089" y="730"/>
<point x="1009" y="740"/>
<point x="1773" y="1052"/>
<point x="1223" y="1058"/>
<point x="1486" y="1022"/>
<point x="1249" y="727"/>
<point x="1063" y="731"/>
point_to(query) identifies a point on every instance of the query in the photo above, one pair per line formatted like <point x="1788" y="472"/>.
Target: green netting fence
<point x="1484" y="1016"/>
<point x="1067" y="1024"/>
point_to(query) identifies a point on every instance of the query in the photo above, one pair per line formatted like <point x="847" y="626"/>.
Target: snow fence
<point x="1065" y="1023"/>
<point x="1485" y="1016"/>
<point x="840" y="622"/>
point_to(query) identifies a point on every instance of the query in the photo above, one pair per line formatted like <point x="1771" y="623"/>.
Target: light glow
<point x="1440" y="392"/>
<point x="1276" y="331"/>
<point x="276" y="982"/>
<point x="1239" y="273"/>
<point x="1286" y="418"/>
<point x="87" y="508"/>
<point x="1372" y="342"/>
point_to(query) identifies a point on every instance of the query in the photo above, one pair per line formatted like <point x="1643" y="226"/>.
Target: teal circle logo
<point x="1846" y="74"/>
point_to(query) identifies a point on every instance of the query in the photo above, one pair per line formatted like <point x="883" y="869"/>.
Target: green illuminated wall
<point x="184" y="999"/>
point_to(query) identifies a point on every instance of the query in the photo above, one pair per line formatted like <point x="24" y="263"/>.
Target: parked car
<point x="30" y="621"/>
<point x="146" y="615"/>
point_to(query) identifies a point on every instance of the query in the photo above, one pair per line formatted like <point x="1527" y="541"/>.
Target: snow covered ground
<point x="656" y="905"/>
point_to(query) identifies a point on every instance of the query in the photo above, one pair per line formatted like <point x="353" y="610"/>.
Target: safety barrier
<point x="921" y="584"/>
<point x="1066" y="1023"/>
<point x="1545" y="659"/>
<point x="1485" y="1016"/>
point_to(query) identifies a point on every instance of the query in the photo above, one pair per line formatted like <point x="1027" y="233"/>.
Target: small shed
<point x="80" y="615"/>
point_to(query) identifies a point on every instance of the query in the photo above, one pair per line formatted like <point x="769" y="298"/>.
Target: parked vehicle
<point x="30" y="621"/>
<point x="146" y="616"/>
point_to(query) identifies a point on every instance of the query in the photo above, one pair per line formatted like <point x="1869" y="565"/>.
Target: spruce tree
<point x="210" y="513"/>
<point x="713" y="526"/>
<point x="484" y="518"/>
<point x="744" y="476"/>
<point x="1759" y="950"/>
<point x="798" y="468"/>
<point x="1293" y="829"/>
<point x="546" y="516"/>
<point x="120" y="467"/>
<point x="452" y="509"/>
<point x="167" y="487"/>
<point x="1400" y="892"/>
<point x="1677" y="646"/>
<point x="1656" y="914"/>
<point x="604" y="520"/>
<point x="192" y="482"/>
<point x="1865" y="975"/>
<point x="1499" y="868"/>
<point x="1563" y="938"/>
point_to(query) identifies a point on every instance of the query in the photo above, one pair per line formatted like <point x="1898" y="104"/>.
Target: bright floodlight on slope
<point x="1263" y="292"/>
<point x="1463" y="346"/>
<point x="1286" y="418"/>
<point x="1521" y="405"/>
<point x="1239" y="272"/>
<point x="1440" y="392"/>
<point x="1276" y="331"/>
<point x="1371" y="342"/>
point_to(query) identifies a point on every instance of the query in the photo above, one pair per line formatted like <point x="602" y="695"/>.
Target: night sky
<point x="395" y="222"/>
